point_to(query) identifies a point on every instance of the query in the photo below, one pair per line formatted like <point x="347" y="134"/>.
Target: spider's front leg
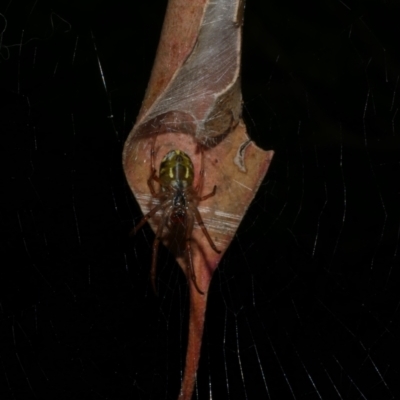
<point x="199" y="186"/>
<point x="207" y="196"/>
<point x="152" y="178"/>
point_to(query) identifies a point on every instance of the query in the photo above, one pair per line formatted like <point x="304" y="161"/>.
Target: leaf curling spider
<point x="178" y="202"/>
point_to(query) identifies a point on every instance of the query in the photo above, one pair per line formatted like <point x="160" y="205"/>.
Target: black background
<point x="306" y="301"/>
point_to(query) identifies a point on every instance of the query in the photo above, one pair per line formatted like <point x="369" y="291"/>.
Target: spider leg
<point x="148" y="216"/>
<point x="152" y="178"/>
<point x="207" y="196"/>
<point x="188" y="238"/>
<point x="152" y="153"/>
<point x="199" y="186"/>
<point x="204" y="229"/>
<point x="156" y="243"/>
<point x="153" y="166"/>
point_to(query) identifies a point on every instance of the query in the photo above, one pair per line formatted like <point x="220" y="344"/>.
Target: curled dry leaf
<point x="194" y="98"/>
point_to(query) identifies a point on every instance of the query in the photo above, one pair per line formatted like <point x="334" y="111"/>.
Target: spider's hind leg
<point x="204" y="229"/>
<point x="190" y="268"/>
<point x="146" y="218"/>
<point x="156" y="243"/>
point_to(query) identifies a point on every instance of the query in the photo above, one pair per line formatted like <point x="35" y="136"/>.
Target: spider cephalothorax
<point x="178" y="202"/>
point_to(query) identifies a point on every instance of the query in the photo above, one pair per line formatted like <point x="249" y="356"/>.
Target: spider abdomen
<point x="176" y="170"/>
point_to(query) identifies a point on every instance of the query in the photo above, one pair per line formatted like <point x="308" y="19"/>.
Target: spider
<point x="178" y="202"/>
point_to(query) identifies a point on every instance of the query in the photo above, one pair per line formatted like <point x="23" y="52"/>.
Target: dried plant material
<point x="194" y="100"/>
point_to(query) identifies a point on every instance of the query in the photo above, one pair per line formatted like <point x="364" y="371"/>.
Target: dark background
<point x="306" y="302"/>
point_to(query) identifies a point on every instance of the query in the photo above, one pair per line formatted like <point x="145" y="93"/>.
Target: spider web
<point x="305" y="303"/>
